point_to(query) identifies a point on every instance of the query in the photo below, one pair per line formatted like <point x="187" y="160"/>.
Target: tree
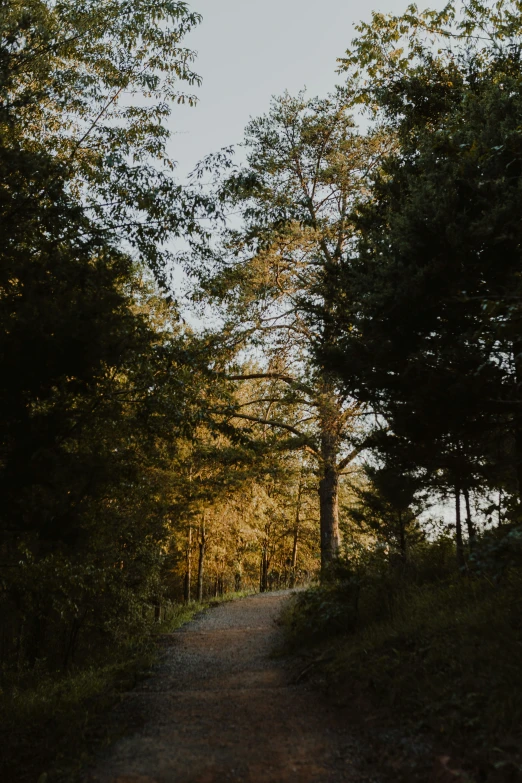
<point x="86" y="452"/>
<point x="250" y="508"/>
<point x="97" y="388"/>
<point x="272" y="278"/>
<point x="67" y="71"/>
<point x="388" y="505"/>
<point x="430" y="295"/>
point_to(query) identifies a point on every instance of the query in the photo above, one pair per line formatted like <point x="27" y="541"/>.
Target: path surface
<point x="221" y="708"/>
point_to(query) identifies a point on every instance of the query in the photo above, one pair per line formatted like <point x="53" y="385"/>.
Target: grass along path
<point x="50" y="730"/>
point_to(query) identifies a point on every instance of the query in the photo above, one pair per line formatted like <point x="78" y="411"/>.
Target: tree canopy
<point x="356" y="355"/>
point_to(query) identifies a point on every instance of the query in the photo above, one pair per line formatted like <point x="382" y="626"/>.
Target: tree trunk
<point x="518" y="458"/>
<point x="329" y="516"/>
<point x="329" y="484"/>
<point x="297" y="525"/>
<point x="266" y="559"/>
<point x="221" y="580"/>
<point x="293" y="562"/>
<point x="201" y="558"/>
<point x="188" y="567"/>
<point x="517" y="359"/>
<point x="469" y="521"/>
<point x="265" y="566"/>
<point x="458" y="524"/>
<point x="402" y="536"/>
<point x="263" y="581"/>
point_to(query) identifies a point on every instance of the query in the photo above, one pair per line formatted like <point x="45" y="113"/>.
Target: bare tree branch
<point x="351" y="456"/>
<point x="265" y="399"/>
<point x="279" y="425"/>
<point x="272" y="376"/>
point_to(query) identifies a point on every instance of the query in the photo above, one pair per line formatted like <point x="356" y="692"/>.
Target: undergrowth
<point x="51" y="725"/>
<point x="438" y="647"/>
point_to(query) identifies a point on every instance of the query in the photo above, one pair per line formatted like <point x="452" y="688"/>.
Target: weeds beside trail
<point x="441" y="654"/>
<point x="51" y="725"/>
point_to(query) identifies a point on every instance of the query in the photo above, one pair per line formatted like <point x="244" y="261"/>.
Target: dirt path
<point x="221" y="708"/>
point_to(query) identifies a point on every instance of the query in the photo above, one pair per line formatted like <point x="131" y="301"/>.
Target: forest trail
<point x="221" y="708"/>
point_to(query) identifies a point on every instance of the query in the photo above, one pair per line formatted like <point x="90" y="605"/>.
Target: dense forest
<point x="330" y="399"/>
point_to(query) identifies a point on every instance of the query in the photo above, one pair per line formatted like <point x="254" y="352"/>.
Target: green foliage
<point x="428" y="299"/>
<point x="438" y="650"/>
<point x="52" y="725"/>
<point x="322" y="613"/>
<point x="364" y="588"/>
<point x="87" y="90"/>
<point x="99" y="381"/>
<point x="388" y="504"/>
<point x="498" y="552"/>
<point x="272" y="279"/>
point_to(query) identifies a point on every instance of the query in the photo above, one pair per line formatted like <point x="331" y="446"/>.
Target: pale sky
<point x="249" y="50"/>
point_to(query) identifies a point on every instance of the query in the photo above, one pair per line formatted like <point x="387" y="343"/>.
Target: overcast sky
<point x="249" y="50"/>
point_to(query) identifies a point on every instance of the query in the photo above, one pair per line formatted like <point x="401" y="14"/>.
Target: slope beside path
<point x="220" y="707"/>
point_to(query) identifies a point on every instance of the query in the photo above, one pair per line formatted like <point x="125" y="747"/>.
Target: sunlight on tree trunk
<point x="188" y="567"/>
<point x="201" y="556"/>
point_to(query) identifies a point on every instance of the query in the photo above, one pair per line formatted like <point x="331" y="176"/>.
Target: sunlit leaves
<point x="93" y="84"/>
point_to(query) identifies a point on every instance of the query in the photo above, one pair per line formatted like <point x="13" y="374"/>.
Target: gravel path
<point x="220" y="708"/>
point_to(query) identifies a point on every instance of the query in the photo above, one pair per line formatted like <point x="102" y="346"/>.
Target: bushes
<point x="51" y="723"/>
<point x="322" y="612"/>
<point x="367" y="589"/>
<point x="66" y="608"/>
<point x="439" y="647"/>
